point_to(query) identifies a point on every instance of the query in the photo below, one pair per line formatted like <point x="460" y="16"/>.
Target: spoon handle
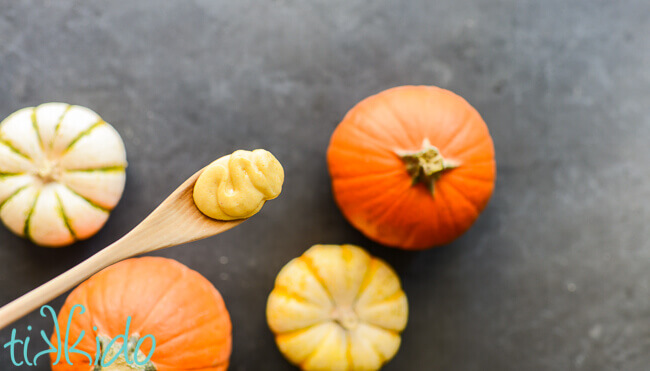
<point x="60" y="284"/>
<point x="151" y="234"/>
<point x="175" y="221"/>
<point x="162" y="228"/>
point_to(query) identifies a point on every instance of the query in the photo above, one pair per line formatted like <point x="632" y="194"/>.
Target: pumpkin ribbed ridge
<point x="62" y="167"/>
<point x="412" y="166"/>
<point x="180" y="308"/>
<point x="337" y="308"/>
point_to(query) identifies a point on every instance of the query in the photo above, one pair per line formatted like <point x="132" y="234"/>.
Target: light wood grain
<point x="175" y="221"/>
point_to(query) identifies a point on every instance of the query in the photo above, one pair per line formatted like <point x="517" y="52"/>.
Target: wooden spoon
<point x="177" y="220"/>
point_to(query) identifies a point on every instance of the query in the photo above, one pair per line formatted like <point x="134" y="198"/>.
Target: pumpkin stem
<point x="345" y="317"/>
<point x="49" y="172"/>
<point x="120" y="363"/>
<point x="426" y="165"/>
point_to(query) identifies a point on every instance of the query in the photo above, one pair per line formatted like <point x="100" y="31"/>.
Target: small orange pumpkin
<point x="412" y="167"/>
<point x="176" y="305"/>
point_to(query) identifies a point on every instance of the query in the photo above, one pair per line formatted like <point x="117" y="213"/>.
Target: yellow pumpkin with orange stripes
<point x="337" y="308"/>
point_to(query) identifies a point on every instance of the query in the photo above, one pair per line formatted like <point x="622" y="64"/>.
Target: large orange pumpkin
<point x="176" y="305"/>
<point x="412" y="166"/>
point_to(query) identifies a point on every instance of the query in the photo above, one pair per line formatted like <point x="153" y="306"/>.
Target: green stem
<point x="426" y="165"/>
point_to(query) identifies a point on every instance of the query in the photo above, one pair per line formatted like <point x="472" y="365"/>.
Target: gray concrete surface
<point x="555" y="275"/>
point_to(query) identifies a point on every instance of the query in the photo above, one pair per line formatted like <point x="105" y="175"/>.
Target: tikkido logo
<point x="123" y="349"/>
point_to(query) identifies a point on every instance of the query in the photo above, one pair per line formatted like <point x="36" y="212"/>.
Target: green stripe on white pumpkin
<point x="38" y="134"/>
<point x="102" y="187"/>
<point x="12" y="161"/>
<point x="58" y="125"/>
<point x="46" y="226"/>
<point x="75" y="121"/>
<point x="64" y="217"/>
<point x="12" y="195"/>
<point x="85" y="218"/>
<point x="101" y="148"/>
<point x="9" y="184"/>
<point x="83" y="134"/>
<point x="62" y="169"/>
<point x="47" y="117"/>
<point x="20" y="137"/>
<point x="16" y="209"/>
<point x="30" y="213"/>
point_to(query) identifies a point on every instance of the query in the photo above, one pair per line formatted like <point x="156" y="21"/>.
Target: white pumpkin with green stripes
<point x="62" y="170"/>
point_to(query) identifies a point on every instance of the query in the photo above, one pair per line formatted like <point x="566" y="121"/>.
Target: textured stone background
<point x="554" y="276"/>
